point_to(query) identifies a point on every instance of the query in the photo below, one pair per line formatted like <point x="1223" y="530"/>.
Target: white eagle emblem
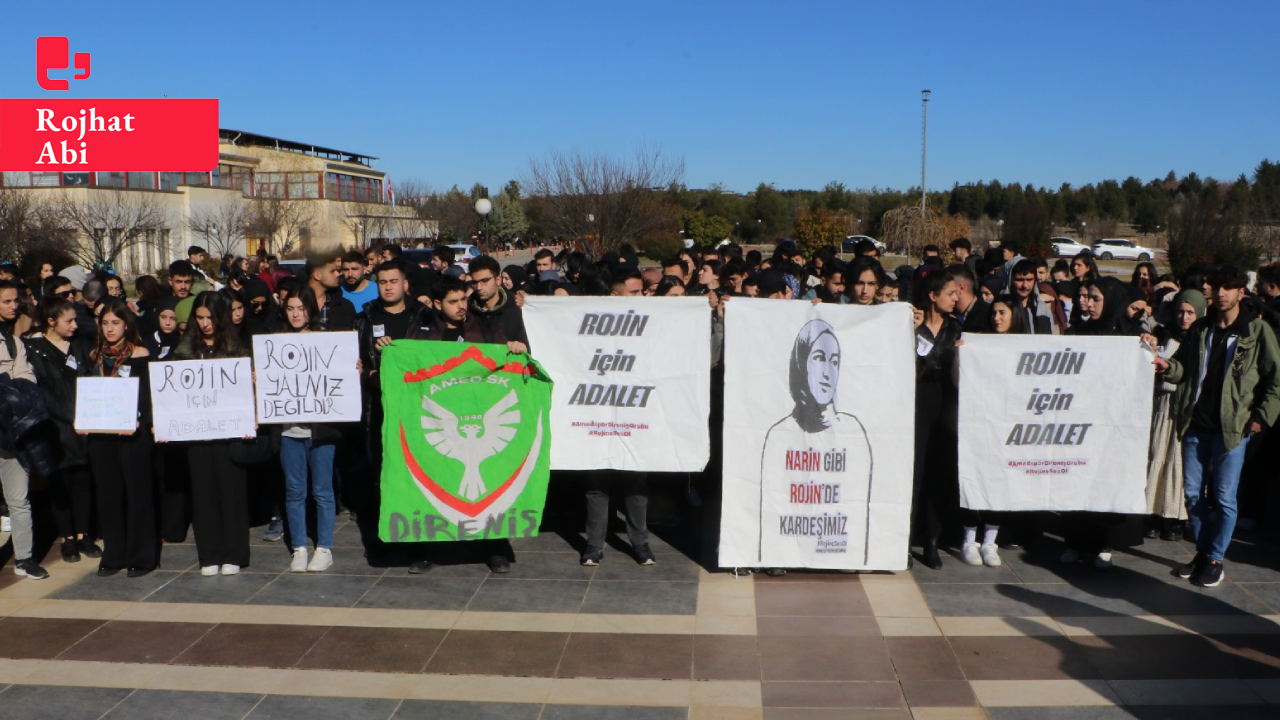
<point x="471" y="443"/>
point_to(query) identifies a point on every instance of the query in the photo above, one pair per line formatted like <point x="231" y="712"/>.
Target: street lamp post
<point x="924" y="151"/>
<point x="1000" y="229"/>
<point x="484" y="207"/>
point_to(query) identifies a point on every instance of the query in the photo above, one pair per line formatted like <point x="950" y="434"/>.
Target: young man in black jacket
<point x="490" y="304"/>
<point x="323" y="273"/>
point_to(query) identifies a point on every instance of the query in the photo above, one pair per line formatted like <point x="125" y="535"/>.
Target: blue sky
<point x="795" y="94"/>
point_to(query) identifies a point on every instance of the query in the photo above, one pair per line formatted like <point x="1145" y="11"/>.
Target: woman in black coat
<point x="58" y="357"/>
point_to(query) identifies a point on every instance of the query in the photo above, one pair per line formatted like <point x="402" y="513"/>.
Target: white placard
<point x="106" y="405"/>
<point x="307" y="377"/>
<point x="202" y="399"/>
<point x="1054" y="422"/>
<point x="819" y="435"/>
<point x="632" y="380"/>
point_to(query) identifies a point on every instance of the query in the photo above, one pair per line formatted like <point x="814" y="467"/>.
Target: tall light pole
<point x="484" y="207"/>
<point x="924" y="151"/>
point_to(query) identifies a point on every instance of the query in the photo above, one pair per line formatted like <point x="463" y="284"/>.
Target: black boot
<point x="930" y="555"/>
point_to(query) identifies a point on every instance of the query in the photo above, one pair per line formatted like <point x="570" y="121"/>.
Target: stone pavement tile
<point x="1267" y="592"/>
<point x="409" y="592"/>
<point x="651" y="598"/>
<point x="437" y="709"/>
<point x="178" y="557"/>
<point x="954" y="570"/>
<point x="896" y="600"/>
<point x="538" y="622"/>
<point x="726" y="657"/>
<point x="727" y="599"/>
<point x="387" y="650"/>
<point x="377" y="617"/>
<point x="449" y="569"/>
<point x="192" y="587"/>
<point x="837" y="714"/>
<point x="612" y="712"/>
<point x="778" y="625"/>
<point x="1043" y="693"/>
<point x="178" y="612"/>
<point x="479" y="652"/>
<point x="644" y="624"/>
<point x="1079" y="712"/>
<point x="725" y="693"/>
<point x="125" y="641"/>
<point x="810" y="576"/>
<point x="549" y="542"/>
<point x="276" y="646"/>
<point x="1256" y="656"/>
<point x="1263" y="572"/>
<point x="296" y="707"/>
<point x="285" y="615"/>
<point x="529" y="596"/>
<point x="832" y="695"/>
<point x="618" y="691"/>
<point x="116" y="587"/>
<point x="345" y="684"/>
<point x="628" y="656"/>
<point x="980" y="600"/>
<point x="9" y="606"/>
<point x="938" y="693"/>
<point x="81" y="609"/>
<point x="545" y="566"/>
<point x="713" y="625"/>
<point x="821" y="599"/>
<point x="923" y="658"/>
<point x="344" y="535"/>
<point x="1226" y="599"/>
<point x="466" y="688"/>
<point x="669" y="568"/>
<point x="1156" y="657"/>
<point x="908" y="627"/>
<point x="825" y="659"/>
<point x="314" y="589"/>
<point x="1022" y="658"/>
<point x="41" y="638"/>
<point x="919" y="712"/>
<point x="1268" y="690"/>
<point x="45" y="702"/>
<point x="725" y="713"/>
<point x="350" y="561"/>
<point x="1185" y="692"/>
<point x="1108" y="625"/>
<point x="169" y="704"/>
<point x="998" y="626"/>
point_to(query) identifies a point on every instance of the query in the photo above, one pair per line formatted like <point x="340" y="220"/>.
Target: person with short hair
<point x="972" y="312"/>
<point x="322" y="276"/>
<point x="494" y="309"/>
<point x="1227" y="370"/>
<point x="832" y="289"/>
<point x="442" y="258"/>
<point x="196" y="255"/>
<point x="544" y="261"/>
<point x="356" y="287"/>
<point x="1022" y="284"/>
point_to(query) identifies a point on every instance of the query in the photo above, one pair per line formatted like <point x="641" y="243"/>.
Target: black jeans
<point x="219" y="504"/>
<point x="126" y="499"/>
<point x="72" y="500"/>
<point x="635" y="499"/>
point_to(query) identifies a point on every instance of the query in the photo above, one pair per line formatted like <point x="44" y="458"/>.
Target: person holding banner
<point x="1227" y="370"/>
<point x="219" y="493"/>
<point x="936" y="485"/>
<point x="58" y="357"/>
<point x="308" y="447"/>
<point x="121" y="464"/>
<point x="1102" y="302"/>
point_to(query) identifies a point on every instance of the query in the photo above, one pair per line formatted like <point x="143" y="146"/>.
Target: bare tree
<point x="18" y="221"/>
<point x="109" y="222"/>
<point x="365" y="220"/>
<point x="221" y="228"/>
<point x="280" y="223"/>
<point x="601" y="201"/>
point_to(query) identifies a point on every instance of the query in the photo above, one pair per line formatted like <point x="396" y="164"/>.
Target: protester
<point x="863" y="280"/>
<point x="121" y="463"/>
<point x="493" y="308"/>
<point x="13" y="476"/>
<point x="972" y="312"/>
<point x="356" y="287"/>
<point x="322" y="278"/>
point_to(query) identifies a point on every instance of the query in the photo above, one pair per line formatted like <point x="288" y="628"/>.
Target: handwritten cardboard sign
<point x="106" y="405"/>
<point x="202" y="399"/>
<point x="307" y="378"/>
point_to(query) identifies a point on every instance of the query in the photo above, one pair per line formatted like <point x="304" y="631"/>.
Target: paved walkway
<point x="553" y="640"/>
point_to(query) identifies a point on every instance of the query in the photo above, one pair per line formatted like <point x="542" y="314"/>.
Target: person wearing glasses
<point x="493" y="308"/>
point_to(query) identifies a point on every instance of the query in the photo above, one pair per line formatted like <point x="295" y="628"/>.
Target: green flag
<point x="466" y="442"/>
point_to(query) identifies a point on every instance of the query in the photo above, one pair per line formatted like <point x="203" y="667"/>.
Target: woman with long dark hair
<point x="1102" y="302"/>
<point x="306" y="448"/>
<point x="936" y="488"/>
<point x="58" y="358"/>
<point x="121" y="463"/>
<point x="1144" y="278"/>
<point x="219" y="494"/>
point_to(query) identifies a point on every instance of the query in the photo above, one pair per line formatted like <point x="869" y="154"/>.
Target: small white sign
<point x="106" y="405"/>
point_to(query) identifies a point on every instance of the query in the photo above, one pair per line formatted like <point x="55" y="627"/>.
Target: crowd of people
<point x="1212" y="329"/>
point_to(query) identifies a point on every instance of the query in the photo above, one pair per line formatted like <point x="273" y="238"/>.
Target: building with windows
<point x="279" y="195"/>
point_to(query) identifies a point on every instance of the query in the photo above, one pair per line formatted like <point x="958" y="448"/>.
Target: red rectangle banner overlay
<point x="121" y="135"/>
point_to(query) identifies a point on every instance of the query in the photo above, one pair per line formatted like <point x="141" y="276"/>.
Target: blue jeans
<point x="1211" y="475"/>
<point x="296" y="455"/>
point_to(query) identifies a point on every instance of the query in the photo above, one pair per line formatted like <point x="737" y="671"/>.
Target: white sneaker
<point x="6" y="525"/>
<point x="990" y="555"/>
<point x="1103" y="561"/>
<point x="323" y="560"/>
<point x="1070" y="556"/>
<point x="230" y="569"/>
<point x="209" y="570"/>
<point x="299" y="562"/>
<point x="970" y="555"/>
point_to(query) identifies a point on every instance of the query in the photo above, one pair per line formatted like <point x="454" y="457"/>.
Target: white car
<point x="1065" y="247"/>
<point x="464" y="254"/>
<point x="852" y="241"/>
<point x="1121" y="249"/>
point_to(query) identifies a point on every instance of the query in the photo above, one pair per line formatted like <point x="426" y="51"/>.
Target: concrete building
<point x="283" y="196"/>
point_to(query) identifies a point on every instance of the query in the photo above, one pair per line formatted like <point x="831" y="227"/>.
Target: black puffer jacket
<point x="56" y="372"/>
<point x="24" y="425"/>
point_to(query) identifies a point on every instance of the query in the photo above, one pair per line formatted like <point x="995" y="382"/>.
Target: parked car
<point x="464" y="254"/>
<point x="421" y="258"/>
<point x="294" y="266"/>
<point x="852" y="241"/>
<point x="1121" y="249"/>
<point x="1066" y="247"/>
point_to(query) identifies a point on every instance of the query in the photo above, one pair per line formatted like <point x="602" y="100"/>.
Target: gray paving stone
<point x="43" y="702"/>
<point x="670" y="567"/>
<point x="314" y="589"/>
<point x="420" y="592"/>
<point x="116" y="587"/>
<point x="634" y="598"/>
<point x="562" y="596"/>
<point x="168" y="704"/>
<point x="437" y="709"/>
<point x="298" y="707"/>
<point x="546" y="566"/>
<point x="178" y="557"/>
<point x="612" y="712"/>
<point x="192" y="587"/>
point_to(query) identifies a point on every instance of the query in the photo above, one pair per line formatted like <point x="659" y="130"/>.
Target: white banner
<point x="307" y="377"/>
<point x="106" y="404"/>
<point x="1054" y="422"/>
<point x="819" y="435"/>
<point x="632" y="380"/>
<point x="202" y="399"/>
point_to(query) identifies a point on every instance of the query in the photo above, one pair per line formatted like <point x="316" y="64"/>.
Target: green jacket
<point x="1251" y="389"/>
